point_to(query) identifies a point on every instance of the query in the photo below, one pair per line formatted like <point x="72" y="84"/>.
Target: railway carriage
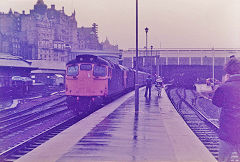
<point x="91" y="80"/>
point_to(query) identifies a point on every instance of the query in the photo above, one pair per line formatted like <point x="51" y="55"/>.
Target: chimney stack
<point x="53" y="7"/>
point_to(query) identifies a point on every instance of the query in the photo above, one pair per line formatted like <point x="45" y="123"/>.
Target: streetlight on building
<point x="146" y="30"/>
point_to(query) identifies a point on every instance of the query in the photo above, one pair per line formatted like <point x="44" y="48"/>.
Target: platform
<point x="118" y="133"/>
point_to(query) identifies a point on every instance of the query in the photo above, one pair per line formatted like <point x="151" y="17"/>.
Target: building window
<point x="55" y="45"/>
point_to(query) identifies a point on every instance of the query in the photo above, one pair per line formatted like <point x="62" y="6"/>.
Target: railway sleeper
<point x="210" y="141"/>
<point x="34" y="145"/>
<point x="14" y="156"/>
<point x="212" y="147"/>
<point x="204" y="128"/>
<point x="26" y="149"/>
<point x="9" y="160"/>
<point x="201" y="133"/>
<point x="43" y="139"/>
<point x="21" y="153"/>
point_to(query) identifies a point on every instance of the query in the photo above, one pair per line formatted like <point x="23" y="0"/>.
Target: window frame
<point x="105" y="73"/>
<point x="86" y="69"/>
<point x="73" y="74"/>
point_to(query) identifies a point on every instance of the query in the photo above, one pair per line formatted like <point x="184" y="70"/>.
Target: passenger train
<point x="91" y="80"/>
<point x="14" y="86"/>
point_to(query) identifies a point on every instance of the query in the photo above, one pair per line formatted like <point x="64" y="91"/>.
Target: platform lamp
<point x="213" y="66"/>
<point x="146" y="30"/>
<point x="136" y="78"/>
<point x="151" y="62"/>
<point x="160" y="73"/>
<point x="157" y="55"/>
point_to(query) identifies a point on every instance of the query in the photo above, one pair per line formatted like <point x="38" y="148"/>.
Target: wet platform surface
<point x="126" y="135"/>
<point x="154" y="133"/>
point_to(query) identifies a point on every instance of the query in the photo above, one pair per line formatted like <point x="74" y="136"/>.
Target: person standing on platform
<point x="227" y="97"/>
<point x="159" y="85"/>
<point x="148" y="86"/>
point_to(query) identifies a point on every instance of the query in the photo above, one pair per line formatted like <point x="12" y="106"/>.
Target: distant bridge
<point x="180" y="56"/>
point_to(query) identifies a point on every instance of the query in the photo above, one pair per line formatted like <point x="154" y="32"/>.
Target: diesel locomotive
<point x="91" y="80"/>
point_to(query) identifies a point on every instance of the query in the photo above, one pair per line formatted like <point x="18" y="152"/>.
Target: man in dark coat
<point x="148" y="86"/>
<point x="227" y="97"/>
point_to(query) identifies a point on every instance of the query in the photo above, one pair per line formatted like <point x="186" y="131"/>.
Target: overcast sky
<point x="171" y="23"/>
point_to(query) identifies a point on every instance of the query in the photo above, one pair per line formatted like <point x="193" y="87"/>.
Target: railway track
<point x="31" y="120"/>
<point x="31" y="114"/>
<point x="26" y="146"/>
<point x="204" y="129"/>
<point x="29" y="144"/>
<point x="19" y="127"/>
<point x="201" y="118"/>
<point x="19" y="110"/>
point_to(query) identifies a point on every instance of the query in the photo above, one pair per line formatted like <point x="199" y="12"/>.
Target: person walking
<point x="148" y="86"/>
<point x="159" y="85"/>
<point x="227" y="97"/>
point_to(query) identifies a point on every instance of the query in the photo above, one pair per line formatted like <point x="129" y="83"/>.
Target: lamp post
<point x="151" y="62"/>
<point x="157" y="63"/>
<point x="146" y="30"/>
<point x="213" y="66"/>
<point x="160" y="59"/>
<point x="136" y="78"/>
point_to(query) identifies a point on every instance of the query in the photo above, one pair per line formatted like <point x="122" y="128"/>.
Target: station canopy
<point x="8" y="60"/>
<point x="48" y="67"/>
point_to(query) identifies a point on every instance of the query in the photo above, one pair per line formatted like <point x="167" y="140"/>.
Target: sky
<point x="171" y="23"/>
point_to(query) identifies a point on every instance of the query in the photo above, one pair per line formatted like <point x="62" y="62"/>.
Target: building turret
<point x="74" y="13"/>
<point x="10" y="12"/>
<point x="95" y="29"/>
<point x="40" y="7"/>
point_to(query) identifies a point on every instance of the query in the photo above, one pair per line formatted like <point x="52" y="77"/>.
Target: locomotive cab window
<point x="87" y="67"/>
<point x="72" y="70"/>
<point x="99" y="71"/>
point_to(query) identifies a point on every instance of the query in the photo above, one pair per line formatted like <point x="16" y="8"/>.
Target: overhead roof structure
<point x="37" y="66"/>
<point x="8" y="60"/>
<point x="49" y="67"/>
<point x="44" y="64"/>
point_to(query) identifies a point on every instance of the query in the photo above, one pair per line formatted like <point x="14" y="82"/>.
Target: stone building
<point x="46" y="34"/>
<point x="51" y="32"/>
<point x="88" y="38"/>
<point x="106" y="46"/>
<point x="9" y="33"/>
